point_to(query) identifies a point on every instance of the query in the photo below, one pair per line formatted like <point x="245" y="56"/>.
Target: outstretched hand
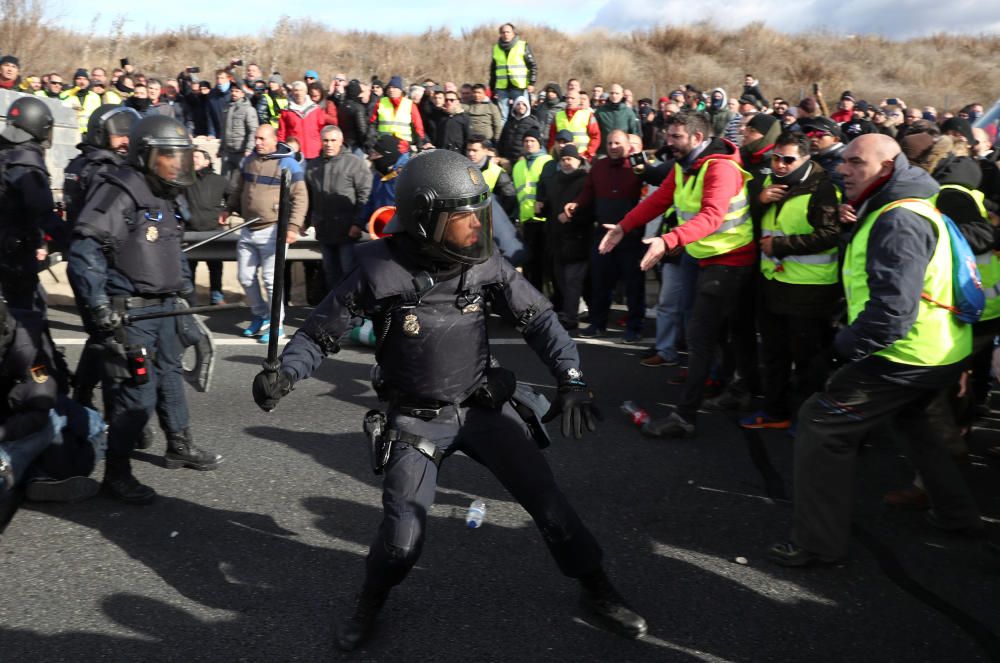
<point x="611" y="238"/>
<point x="657" y="248"/>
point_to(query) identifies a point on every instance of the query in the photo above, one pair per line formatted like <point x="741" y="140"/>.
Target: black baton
<point x="272" y="364"/>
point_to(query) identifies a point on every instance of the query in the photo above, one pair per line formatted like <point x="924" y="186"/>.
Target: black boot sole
<point x="177" y="462"/>
<point x="137" y="500"/>
<point x="73" y="489"/>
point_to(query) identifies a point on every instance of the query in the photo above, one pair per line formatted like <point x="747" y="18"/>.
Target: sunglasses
<point x="55" y="82"/>
<point x="451" y="99"/>
<point x="818" y="134"/>
<point x="787" y="160"/>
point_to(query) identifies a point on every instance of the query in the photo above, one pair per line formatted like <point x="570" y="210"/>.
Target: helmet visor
<point x="119" y="122"/>
<point x="174" y="166"/>
<point x="466" y="233"/>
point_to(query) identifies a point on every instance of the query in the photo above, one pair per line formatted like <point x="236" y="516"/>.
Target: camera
<point x="638" y="159"/>
<point x="892" y="102"/>
<point x="125" y="62"/>
<point x="237" y="63"/>
<point x="193" y="70"/>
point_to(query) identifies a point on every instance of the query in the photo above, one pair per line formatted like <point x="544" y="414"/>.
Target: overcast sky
<point x="899" y="19"/>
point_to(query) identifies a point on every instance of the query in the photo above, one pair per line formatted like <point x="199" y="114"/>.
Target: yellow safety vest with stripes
<point x="736" y="229"/>
<point x="576" y="126"/>
<point x="793" y="219"/>
<point x="937" y="337"/>
<point x="526" y="186"/>
<point x="395" y="121"/>
<point x="511" y="69"/>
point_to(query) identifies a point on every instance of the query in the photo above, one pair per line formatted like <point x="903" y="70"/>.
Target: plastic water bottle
<point x="638" y="415"/>
<point x="476" y="514"/>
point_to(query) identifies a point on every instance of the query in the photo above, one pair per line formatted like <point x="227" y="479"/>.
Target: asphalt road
<point x="255" y="561"/>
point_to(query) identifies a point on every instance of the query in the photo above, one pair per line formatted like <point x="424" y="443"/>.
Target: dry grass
<point x="946" y="71"/>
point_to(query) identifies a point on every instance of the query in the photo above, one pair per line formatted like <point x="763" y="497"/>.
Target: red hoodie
<point x="721" y="184"/>
<point x="306" y="127"/>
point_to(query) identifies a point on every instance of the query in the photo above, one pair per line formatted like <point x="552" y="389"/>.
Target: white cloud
<point x="899" y="20"/>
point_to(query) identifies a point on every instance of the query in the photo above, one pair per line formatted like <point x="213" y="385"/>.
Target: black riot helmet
<point x="161" y="147"/>
<point x="443" y="202"/>
<point x="28" y="119"/>
<point x="110" y="120"/>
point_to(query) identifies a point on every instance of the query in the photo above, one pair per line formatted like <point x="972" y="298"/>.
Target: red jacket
<point x="306" y="127"/>
<point x="842" y="116"/>
<point x="593" y="132"/>
<point x="721" y="184"/>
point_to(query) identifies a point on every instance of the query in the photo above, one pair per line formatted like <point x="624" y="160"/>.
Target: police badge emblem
<point x="411" y="326"/>
<point x="152" y="234"/>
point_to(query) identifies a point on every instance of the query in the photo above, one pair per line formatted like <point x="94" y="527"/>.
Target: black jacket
<point x="450" y="132"/>
<point x="568" y="242"/>
<point x="512" y="137"/>
<point x="959" y="205"/>
<point x="205" y="200"/>
<point x="353" y="120"/>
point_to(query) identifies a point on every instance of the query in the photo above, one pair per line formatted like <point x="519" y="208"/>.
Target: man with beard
<point x="826" y="145"/>
<point x="707" y="189"/>
<point x="800" y="289"/>
<point x="614" y="114"/>
<point x="513" y="70"/>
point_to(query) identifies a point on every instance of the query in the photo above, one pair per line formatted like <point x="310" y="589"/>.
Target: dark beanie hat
<point x="569" y="151"/>
<point x="354" y="89"/>
<point x="10" y="59"/>
<point x="532" y="133"/>
<point x="81" y="73"/>
<point x="762" y="122"/>
<point x="961" y="126"/>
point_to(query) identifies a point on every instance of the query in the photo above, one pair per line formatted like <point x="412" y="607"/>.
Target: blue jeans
<point x="505" y="99"/>
<point x="338" y="260"/>
<point x="674" y="303"/>
<point x="254" y="251"/>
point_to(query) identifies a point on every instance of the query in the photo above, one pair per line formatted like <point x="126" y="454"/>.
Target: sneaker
<point x="761" y="420"/>
<point x="729" y="399"/>
<point x="592" y="332"/>
<point x="73" y="489"/>
<point x="631" y="338"/>
<point x="217" y="299"/>
<point x="672" y="426"/>
<point x="657" y="360"/>
<point x="789" y="554"/>
<point x="266" y="336"/>
<point x="257" y="325"/>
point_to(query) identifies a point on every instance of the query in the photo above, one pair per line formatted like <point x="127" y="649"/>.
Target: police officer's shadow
<point x="266" y="579"/>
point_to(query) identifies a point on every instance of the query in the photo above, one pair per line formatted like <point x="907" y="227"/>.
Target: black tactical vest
<point x="149" y="253"/>
<point x="80" y="175"/>
<point x="432" y="340"/>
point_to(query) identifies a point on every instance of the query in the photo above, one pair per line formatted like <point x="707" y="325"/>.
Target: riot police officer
<point x="104" y="148"/>
<point x="26" y="208"/>
<point x="426" y="289"/>
<point x="126" y="259"/>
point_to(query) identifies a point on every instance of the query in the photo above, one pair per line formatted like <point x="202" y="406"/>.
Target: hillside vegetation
<point x="943" y="70"/>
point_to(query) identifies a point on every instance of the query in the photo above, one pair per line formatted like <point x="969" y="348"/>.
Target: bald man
<point x="894" y="360"/>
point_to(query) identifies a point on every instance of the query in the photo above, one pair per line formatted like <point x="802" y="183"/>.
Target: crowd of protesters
<point x="749" y="208"/>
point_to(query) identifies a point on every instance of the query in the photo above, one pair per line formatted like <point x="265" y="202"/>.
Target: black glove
<point x="105" y="318"/>
<point x="575" y="401"/>
<point x="269" y="387"/>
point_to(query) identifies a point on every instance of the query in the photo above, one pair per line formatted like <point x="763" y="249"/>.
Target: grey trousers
<point x="832" y="424"/>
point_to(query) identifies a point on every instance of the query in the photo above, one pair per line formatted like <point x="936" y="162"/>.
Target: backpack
<point x="968" y="296"/>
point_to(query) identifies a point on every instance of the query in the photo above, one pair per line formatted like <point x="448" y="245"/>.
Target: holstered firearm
<point x="375" y="425"/>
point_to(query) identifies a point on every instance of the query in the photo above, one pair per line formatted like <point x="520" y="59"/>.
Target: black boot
<point x="182" y="452"/>
<point x="356" y="629"/>
<point x="608" y="609"/>
<point x="120" y="484"/>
